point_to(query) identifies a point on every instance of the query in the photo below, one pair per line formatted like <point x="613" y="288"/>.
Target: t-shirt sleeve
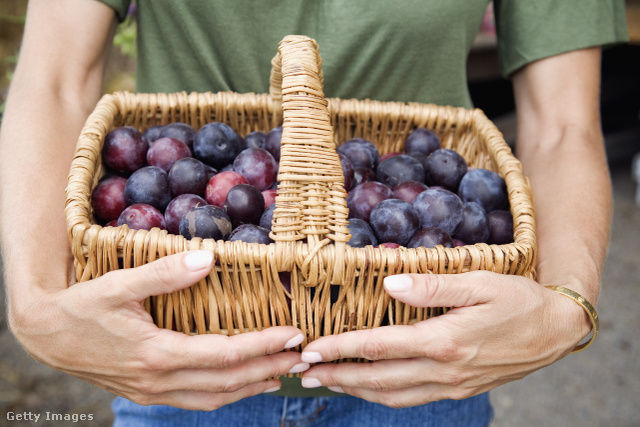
<point x="120" y="6"/>
<point x="529" y="30"/>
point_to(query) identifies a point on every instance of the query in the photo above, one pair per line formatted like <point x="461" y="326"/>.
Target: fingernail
<point x="197" y="260"/>
<point x="310" y="382"/>
<point x="272" y="389"/>
<point x="300" y="367"/>
<point x="336" y="389"/>
<point x="311" y="357"/>
<point x="295" y="341"/>
<point x="398" y="283"/>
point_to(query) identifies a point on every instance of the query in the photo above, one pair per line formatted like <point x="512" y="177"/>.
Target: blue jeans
<point x="347" y="411"/>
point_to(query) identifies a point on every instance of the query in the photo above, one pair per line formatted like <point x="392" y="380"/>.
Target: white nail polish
<point x="295" y="341"/>
<point x="197" y="260"/>
<point x="311" y="382"/>
<point x="272" y="389"/>
<point x="398" y="283"/>
<point x="336" y="389"/>
<point x="300" y="367"/>
<point x="311" y="357"/>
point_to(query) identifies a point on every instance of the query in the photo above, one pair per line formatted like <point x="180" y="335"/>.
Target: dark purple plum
<point x="258" y="166"/>
<point x="408" y="190"/>
<point x="422" y="158"/>
<point x="250" y="233"/>
<point x="165" y="151"/>
<point x="430" y="237"/>
<point x="228" y="168"/>
<point x="445" y="168"/>
<point x="361" y="152"/>
<point x="152" y="133"/>
<point x="255" y="139"/>
<point x="107" y="199"/>
<point x="398" y="169"/>
<point x="216" y="144"/>
<point x="244" y="204"/>
<point x="347" y="171"/>
<point x="181" y="131"/>
<point x="364" y="197"/>
<point x="220" y="184"/>
<point x="149" y="185"/>
<point x="362" y="175"/>
<point x="484" y="187"/>
<point x="474" y="227"/>
<point x="394" y="221"/>
<point x="142" y="217"/>
<point x="188" y="176"/>
<point x="273" y="141"/>
<point x="267" y="217"/>
<point x="361" y="234"/>
<point x="388" y="155"/>
<point x="500" y="227"/>
<point x="422" y="140"/>
<point x="439" y="208"/>
<point x="178" y="207"/>
<point x="206" y="222"/>
<point x="125" y="150"/>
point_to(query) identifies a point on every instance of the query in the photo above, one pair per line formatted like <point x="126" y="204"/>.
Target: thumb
<point x="441" y="290"/>
<point x="163" y="276"/>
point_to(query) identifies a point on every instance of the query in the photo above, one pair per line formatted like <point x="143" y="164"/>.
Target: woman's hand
<point x="500" y="329"/>
<point x="99" y="331"/>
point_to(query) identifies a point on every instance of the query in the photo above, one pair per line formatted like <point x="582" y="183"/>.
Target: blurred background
<point x="598" y="387"/>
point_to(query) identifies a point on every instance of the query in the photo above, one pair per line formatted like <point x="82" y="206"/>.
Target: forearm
<point x="561" y="147"/>
<point x="34" y="175"/>
<point x="56" y="84"/>
<point x="572" y="189"/>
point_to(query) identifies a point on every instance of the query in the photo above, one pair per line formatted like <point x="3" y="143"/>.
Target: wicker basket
<point x="244" y="291"/>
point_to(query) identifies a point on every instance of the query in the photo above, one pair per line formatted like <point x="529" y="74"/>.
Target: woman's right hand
<point x="99" y="331"/>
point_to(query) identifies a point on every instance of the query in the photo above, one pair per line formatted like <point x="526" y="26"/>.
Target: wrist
<point x="578" y="316"/>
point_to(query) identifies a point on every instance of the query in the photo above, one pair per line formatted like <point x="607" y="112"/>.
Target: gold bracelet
<point x="593" y="315"/>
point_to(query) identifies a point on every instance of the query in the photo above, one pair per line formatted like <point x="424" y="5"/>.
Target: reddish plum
<point x="142" y="217"/>
<point x="107" y="199"/>
<point x="258" y="166"/>
<point x="165" y="151"/>
<point x="408" y="190"/>
<point x="220" y="184"/>
<point x="364" y="197"/>
<point x="178" y="207"/>
<point x="125" y="150"/>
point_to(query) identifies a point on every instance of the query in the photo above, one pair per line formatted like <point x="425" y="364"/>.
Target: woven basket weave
<point x="244" y="292"/>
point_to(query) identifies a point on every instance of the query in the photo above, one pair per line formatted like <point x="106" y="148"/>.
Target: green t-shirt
<point x="405" y="50"/>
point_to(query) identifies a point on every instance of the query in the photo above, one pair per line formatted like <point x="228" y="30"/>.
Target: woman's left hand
<point x="500" y="329"/>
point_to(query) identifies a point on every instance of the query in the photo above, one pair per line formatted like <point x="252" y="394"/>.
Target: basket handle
<point x="311" y="200"/>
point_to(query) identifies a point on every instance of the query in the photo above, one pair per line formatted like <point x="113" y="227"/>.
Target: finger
<point x="163" y="276"/>
<point x="171" y="350"/>
<point x="383" y="375"/>
<point x="230" y="380"/>
<point x="444" y="290"/>
<point x="204" y="401"/>
<point x="388" y="375"/>
<point x="387" y="342"/>
<point x="418" y="395"/>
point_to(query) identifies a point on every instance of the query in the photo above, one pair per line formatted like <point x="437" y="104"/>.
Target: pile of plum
<point x="214" y="183"/>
